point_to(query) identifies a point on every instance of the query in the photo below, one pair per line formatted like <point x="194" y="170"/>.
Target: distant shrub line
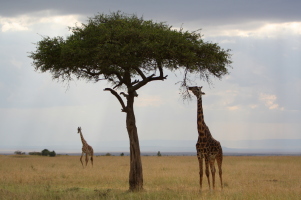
<point x="44" y="152"/>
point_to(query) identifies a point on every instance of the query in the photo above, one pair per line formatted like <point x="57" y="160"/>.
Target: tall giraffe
<point x="207" y="147"/>
<point x="87" y="149"/>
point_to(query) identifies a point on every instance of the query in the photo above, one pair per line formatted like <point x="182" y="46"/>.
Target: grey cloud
<point x="216" y="12"/>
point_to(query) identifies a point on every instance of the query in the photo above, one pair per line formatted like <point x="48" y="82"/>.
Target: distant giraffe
<point x="207" y="147"/>
<point x="87" y="149"/>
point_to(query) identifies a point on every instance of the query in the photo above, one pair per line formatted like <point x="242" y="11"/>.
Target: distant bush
<point x="45" y="152"/>
<point x="159" y="153"/>
<point x="108" y="154"/>
<point x="52" y="154"/>
<point x="35" y="153"/>
<point x="19" y="152"/>
<point x="122" y="154"/>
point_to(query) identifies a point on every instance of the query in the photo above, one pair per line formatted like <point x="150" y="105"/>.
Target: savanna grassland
<point x="166" y="177"/>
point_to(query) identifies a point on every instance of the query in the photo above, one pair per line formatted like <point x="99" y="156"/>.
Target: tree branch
<point x="134" y="82"/>
<point x="124" y="109"/>
<point x="121" y="80"/>
<point x="93" y="74"/>
<point x="119" y="84"/>
<point x="148" y="79"/>
<point x="119" y="77"/>
<point x="125" y="95"/>
<point x="140" y="73"/>
<point x="161" y="76"/>
<point x="159" y="64"/>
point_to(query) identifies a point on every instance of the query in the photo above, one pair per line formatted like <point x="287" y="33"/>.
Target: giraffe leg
<point x="207" y="170"/>
<point x="92" y="160"/>
<point x="212" y="168"/>
<point x="87" y="159"/>
<point x="219" y="161"/>
<point x="200" y="158"/>
<point x="81" y="159"/>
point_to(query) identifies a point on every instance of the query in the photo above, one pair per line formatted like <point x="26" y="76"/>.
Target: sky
<point x="258" y="100"/>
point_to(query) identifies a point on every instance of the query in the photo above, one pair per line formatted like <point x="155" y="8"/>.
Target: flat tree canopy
<point x="129" y="52"/>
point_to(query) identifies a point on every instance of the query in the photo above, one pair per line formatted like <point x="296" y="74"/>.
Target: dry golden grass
<point x="174" y="177"/>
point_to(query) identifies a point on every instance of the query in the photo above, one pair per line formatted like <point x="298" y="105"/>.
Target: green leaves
<point x="109" y="46"/>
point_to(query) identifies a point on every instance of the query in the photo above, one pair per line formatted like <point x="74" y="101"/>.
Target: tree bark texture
<point x="136" y="175"/>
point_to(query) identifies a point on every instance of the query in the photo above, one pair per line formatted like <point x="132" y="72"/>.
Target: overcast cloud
<point x="259" y="99"/>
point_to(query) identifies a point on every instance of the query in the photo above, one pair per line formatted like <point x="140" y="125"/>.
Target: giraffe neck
<point x="82" y="138"/>
<point x="200" y="114"/>
<point x="200" y="119"/>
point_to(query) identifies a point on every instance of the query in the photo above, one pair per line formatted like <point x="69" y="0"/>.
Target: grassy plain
<point x="166" y="177"/>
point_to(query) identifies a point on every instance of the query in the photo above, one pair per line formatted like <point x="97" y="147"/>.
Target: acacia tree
<point x="129" y="52"/>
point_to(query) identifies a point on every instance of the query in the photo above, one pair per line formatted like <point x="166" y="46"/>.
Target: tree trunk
<point x="135" y="176"/>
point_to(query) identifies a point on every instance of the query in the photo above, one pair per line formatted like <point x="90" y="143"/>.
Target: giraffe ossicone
<point x="86" y="149"/>
<point x="207" y="147"/>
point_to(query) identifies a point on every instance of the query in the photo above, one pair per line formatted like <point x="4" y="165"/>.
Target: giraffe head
<point x="79" y="129"/>
<point x="197" y="91"/>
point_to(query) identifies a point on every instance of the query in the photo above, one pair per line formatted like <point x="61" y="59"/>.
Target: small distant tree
<point x="108" y="154"/>
<point x="18" y="152"/>
<point x="45" y="152"/>
<point x="52" y="154"/>
<point x="122" y="154"/>
<point x="159" y="153"/>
